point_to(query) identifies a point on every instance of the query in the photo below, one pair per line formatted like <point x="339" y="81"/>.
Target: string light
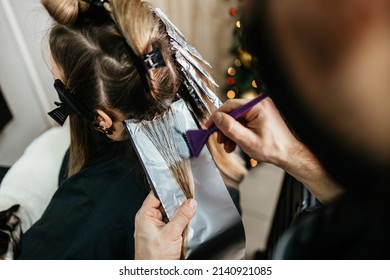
<point x="231" y="94"/>
<point x="233" y="12"/>
<point x="253" y="162"/>
<point x="230" y="81"/>
<point x="232" y="71"/>
<point x="236" y="87"/>
<point x="254" y="84"/>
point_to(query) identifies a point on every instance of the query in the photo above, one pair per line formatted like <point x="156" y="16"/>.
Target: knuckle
<point x="230" y="129"/>
<point x="184" y="215"/>
<point x="229" y="102"/>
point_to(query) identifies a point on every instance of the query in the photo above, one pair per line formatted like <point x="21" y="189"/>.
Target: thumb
<point x="181" y="219"/>
<point x="231" y="128"/>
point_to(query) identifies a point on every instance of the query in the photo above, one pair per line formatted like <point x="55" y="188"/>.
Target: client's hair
<point x="94" y="58"/>
<point x="92" y="52"/>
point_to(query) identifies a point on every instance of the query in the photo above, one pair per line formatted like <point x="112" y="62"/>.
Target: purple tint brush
<point x="197" y="138"/>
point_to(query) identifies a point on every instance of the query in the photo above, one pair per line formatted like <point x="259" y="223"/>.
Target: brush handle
<point x="239" y="112"/>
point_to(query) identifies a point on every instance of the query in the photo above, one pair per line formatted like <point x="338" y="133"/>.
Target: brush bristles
<point x="196" y="140"/>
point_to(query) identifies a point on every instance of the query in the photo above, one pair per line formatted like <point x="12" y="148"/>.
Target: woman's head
<point x="93" y="53"/>
<point x="95" y="50"/>
<point x="94" y="57"/>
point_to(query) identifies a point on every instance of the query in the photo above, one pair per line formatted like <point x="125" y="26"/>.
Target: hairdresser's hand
<point x="264" y="136"/>
<point x="261" y="133"/>
<point x="155" y="240"/>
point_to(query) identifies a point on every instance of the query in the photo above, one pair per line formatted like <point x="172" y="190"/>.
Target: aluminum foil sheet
<point x="216" y="231"/>
<point x="175" y="34"/>
<point x="190" y="67"/>
<point x="190" y="74"/>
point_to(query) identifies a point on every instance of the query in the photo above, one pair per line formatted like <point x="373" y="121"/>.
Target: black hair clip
<point x="154" y="59"/>
<point x="145" y="63"/>
<point x="68" y="106"/>
<point x="98" y="3"/>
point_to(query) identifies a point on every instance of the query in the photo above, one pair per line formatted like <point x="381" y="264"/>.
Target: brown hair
<point x="93" y="54"/>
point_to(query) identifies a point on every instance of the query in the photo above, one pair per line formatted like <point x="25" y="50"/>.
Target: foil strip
<point x="216" y="230"/>
<point x="176" y="35"/>
<point x="196" y="95"/>
<point x="194" y="62"/>
<point x="184" y="50"/>
<point x="191" y="74"/>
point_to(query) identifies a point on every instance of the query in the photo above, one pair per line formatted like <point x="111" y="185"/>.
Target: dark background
<point x="5" y="113"/>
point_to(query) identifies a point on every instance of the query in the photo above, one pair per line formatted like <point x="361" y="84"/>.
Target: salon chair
<point x="294" y="202"/>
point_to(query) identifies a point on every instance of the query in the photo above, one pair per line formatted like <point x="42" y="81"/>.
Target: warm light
<point x="231" y="94"/>
<point x="238" y="63"/>
<point x="250" y="94"/>
<point x="254" y="84"/>
<point x="233" y="12"/>
<point x="231" y="71"/>
<point x="253" y="162"/>
<point x="238" y="24"/>
<point x="230" y="81"/>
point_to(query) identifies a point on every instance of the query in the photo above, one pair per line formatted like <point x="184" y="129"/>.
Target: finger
<point x="154" y="213"/>
<point x="227" y="107"/>
<point x="181" y="219"/>
<point x="151" y="216"/>
<point x="229" y="145"/>
<point x="221" y="138"/>
<point x="151" y="202"/>
<point x="209" y="122"/>
<point x="232" y="104"/>
<point x="232" y="129"/>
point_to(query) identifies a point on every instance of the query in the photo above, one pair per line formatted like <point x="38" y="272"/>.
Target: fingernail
<point x="217" y="118"/>
<point x="192" y="203"/>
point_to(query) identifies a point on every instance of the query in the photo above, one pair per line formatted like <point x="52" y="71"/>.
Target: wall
<point x="25" y="77"/>
<point x="207" y="25"/>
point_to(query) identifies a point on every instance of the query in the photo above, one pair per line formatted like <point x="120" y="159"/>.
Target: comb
<point x="197" y="138"/>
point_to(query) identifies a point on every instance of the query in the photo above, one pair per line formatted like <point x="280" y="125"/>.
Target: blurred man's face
<point x="338" y="54"/>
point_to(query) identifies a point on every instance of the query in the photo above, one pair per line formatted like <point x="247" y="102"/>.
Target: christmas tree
<point x="242" y="79"/>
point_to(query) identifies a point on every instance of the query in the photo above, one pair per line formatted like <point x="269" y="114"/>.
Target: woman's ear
<point x="104" y="122"/>
<point x="106" y="125"/>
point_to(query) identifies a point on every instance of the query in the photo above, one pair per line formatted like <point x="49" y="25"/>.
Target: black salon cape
<point x="351" y="228"/>
<point x="91" y="216"/>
